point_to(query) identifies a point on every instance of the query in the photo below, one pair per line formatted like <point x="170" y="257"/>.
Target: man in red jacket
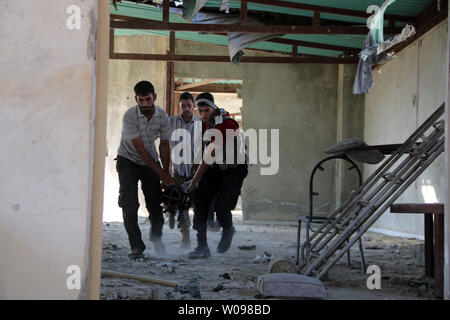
<point x="218" y="179"/>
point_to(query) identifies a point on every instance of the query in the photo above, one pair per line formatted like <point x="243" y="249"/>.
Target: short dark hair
<point x="144" y="88"/>
<point x="187" y="96"/>
<point x="207" y="96"/>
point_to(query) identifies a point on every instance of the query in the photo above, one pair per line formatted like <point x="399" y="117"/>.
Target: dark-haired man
<point x="137" y="159"/>
<point x="185" y="127"/>
<point x="220" y="180"/>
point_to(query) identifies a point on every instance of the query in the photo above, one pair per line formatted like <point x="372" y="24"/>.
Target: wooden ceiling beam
<point x="236" y="28"/>
<point x="199" y="58"/>
<point x="214" y="88"/>
<point x="196" y="84"/>
<point x="243" y="12"/>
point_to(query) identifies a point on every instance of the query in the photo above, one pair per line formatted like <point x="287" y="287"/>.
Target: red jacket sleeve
<point x="224" y="126"/>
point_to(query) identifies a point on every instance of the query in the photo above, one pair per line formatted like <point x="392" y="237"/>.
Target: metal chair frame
<point x="310" y="219"/>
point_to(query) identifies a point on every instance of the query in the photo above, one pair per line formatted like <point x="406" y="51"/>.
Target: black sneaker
<point x="226" y="239"/>
<point x="136" y="254"/>
<point x="201" y="252"/>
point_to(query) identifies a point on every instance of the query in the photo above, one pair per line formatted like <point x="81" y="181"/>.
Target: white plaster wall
<point x="46" y="97"/>
<point x="407" y="91"/>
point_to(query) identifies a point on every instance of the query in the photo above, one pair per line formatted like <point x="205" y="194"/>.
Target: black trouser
<point x="129" y="175"/>
<point x="183" y="218"/>
<point x="225" y="186"/>
<point x="212" y="210"/>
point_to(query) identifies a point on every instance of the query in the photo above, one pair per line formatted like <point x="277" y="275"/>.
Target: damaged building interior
<point x="344" y="102"/>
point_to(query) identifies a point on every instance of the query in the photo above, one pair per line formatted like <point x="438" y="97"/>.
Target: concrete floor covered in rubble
<point x="233" y="275"/>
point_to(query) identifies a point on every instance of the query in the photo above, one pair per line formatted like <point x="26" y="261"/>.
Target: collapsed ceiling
<point x="321" y="31"/>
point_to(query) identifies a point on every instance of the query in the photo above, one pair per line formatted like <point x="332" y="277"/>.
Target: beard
<point x="147" y="110"/>
<point x="187" y="114"/>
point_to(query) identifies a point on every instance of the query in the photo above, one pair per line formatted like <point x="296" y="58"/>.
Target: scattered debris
<point x="226" y="276"/>
<point x="233" y="285"/>
<point x="250" y="285"/>
<point x="111" y="247"/>
<point x="249" y="248"/>
<point x="218" y="288"/>
<point x="373" y="248"/>
<point x="192" y="288"/>
<point x="170" y="267"/>
<point x="264" y="259"/>
<point x="399" y="280"/>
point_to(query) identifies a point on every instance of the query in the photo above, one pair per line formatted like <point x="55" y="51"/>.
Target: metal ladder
<point x="349" y="222"/>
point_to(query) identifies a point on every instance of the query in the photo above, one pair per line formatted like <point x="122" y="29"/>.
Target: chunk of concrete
<point x="281" y="265"/>
<point x="291" y="286"/>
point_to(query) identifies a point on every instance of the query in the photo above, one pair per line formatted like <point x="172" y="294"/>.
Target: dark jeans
<point x="212" y="210"/>
<point x="129" y="175"/>
<point x="184" y="221"/>
<point x="223" y="185"/>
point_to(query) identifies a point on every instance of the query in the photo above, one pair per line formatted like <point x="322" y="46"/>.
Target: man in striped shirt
<point x="191" y="127"/>
<point x="137" y="159"/>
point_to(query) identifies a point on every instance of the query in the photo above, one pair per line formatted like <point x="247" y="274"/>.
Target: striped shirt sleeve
<point x="166" y="129"/>
<point x="130" y="126"/>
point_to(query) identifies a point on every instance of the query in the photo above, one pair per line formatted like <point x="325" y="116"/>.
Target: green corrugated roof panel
<point x="189" y="36"/>
<point x="280" y="10"/>
<point x="354" y="41"/>
<point x="400" y="7"/>
<point x="288" y="49"/>
<point x="132" y="9"/>
<point x="410" y="8"/>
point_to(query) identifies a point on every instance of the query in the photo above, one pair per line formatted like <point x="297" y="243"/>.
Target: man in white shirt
<point x="138" y="160"/>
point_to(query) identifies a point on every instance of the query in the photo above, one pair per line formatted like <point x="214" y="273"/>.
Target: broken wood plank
<point x="196" y="84"/>
<point x="107" y="273"/>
